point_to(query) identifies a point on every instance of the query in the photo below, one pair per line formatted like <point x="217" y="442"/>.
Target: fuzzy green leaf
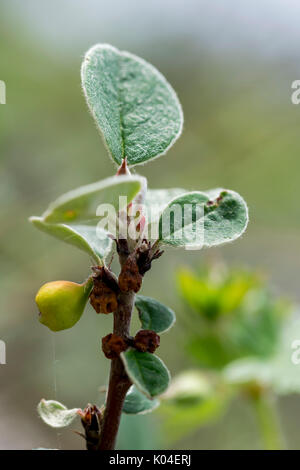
<point x="154" y="315"/>
<point x="222" y="217"/>
<point x="281" y="372"/>
<point x="146" y="371"/>
<point x="137" y="403"/>
<point x="136" y="110"/>
<point x="55" y="414"/>
<point x="228" y="220"/>
<point x="157" y="199"/>
<point x="179" y="230"/>
<point x="81" y="203"/>
<point x="94" y="242"/>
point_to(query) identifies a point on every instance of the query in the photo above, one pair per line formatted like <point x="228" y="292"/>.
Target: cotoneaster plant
<point x="140" y="118"/>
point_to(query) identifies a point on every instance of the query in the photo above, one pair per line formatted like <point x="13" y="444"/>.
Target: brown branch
<point x="119" y="382"/>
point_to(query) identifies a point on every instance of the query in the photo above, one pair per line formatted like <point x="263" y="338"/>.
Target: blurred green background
<point x="232" y="64"/>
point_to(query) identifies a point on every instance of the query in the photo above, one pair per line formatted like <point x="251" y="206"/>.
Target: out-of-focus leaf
<point x="55" y="414"/>
<point x="281" y="372"/>
<point x="134" y="106"/>
<point x="200" y="293"/>
<point x="180" y="422"/>
<point x="211" y="349"/>
<point x="257" y="330"/>
<point x="146" y="371"/>
<point x="188" y="388"/>
<point x="192" y="401"/>
<point x="154" y="315"/>
<point x="235" y="289"/>
<point x="215" y="292"/>
<point x="251" y="332"/>
<point x="137" y="403"/>
<point x="81" y="203"/>
<point x="94" y="242"/>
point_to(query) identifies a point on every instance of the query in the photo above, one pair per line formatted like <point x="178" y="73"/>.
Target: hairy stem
<point x="119" y="382"/>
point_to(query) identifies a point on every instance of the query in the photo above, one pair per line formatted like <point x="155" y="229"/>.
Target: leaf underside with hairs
<point x="80" y="205"/>
<point x="146" y="371"/>
<point x="55" y="414"/>
<point x="136" y="110"/>
<point x="87" y="238"/>
<point x="154" y="315"/>
<point x="137" y="403"/>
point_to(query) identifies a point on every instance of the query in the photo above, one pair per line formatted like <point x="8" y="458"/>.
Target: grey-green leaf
<point x="137" y="403"/>
<point x="81" y="203"/>
<point x="154" y="315"/>
<point x="158" y="199"/>
<point x="281" y="372"/>
<point x="55" y="414"/>
<point x="87" y="238"/>
<point x="203" y="219"/>
<point x="136" y="109"/>
<point x="146" y="371"/>
<point x="227" y="219"/>
<point x="181" y="222"/>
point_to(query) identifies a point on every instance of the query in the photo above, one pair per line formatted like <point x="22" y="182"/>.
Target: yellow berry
<point x="61" y="303"/>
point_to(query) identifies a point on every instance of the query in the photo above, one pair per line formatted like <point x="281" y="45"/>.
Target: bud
<point x="130" y="278"/>
<point x="61" y="303"/>
<point x="123" y="168"/>
<point x="104" y="296"/>
<point x="146" y="341"/>
<point x="113" y="345"/>
<point x="91" y="420"/>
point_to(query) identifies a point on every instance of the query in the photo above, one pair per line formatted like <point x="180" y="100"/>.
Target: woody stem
<point x="119" y="382"/>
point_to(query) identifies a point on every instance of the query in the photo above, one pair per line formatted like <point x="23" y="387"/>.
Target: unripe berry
<point x="61" y="303"/>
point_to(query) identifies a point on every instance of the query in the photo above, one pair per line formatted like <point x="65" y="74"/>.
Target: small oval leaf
<point x="137" y="403"/>
<point x="146" y="371"/>
<point x="81" y="203"/>
<point x="136" y="110"/>
<point x="182" y="221"/>
<point x="157" y="199"/>
<point x="203" y="219"/>
<point x="55" y="414"/>
<point x="85" y="237"/>
<point x="154" y="315"/>
<point x="227" y="218"/>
